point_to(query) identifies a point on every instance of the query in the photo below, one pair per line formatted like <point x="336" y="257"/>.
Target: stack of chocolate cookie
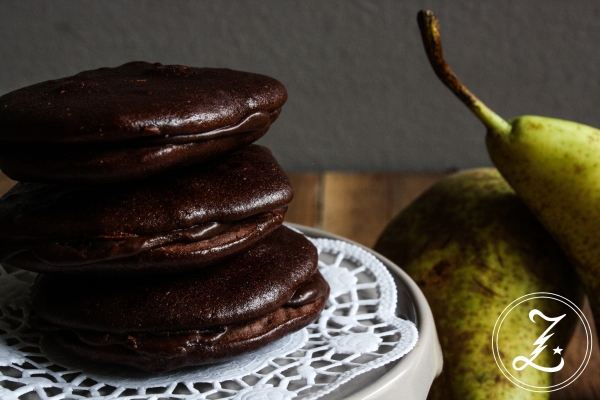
<point x="153" y="221"/>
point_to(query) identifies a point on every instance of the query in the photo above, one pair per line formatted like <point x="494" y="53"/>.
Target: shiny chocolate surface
<point x="161" y="253"/>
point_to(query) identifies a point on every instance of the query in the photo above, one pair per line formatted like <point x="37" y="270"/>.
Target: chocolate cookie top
<point x="241" y="289"/>
<point x="236" y="186"/>
<point x="137" y="100"/>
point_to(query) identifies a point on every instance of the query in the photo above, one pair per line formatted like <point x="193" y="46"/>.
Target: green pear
<point x="473" y="247"/>
<point x="552" y="164"/>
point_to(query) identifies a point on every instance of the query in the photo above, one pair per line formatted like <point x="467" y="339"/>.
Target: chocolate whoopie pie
<point x="163" y="323"/>
<point x="132" y="121"/>
<point x="172" y="222"/>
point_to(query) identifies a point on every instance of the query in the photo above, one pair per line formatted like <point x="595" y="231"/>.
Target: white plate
<point x="410" y="377"/>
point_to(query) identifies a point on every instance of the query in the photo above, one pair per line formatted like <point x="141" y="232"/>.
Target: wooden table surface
<point x="359" y="205"/>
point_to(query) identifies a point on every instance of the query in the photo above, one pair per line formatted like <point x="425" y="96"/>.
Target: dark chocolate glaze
<point x="92" y="250"/>
<point x="105" y="163"/>
<point x="135" y="100"/>
<point x="242" y="288"/>
<point x="312" y="290"/>
<point x="163" y="253"/>
<point x="234" y="187"/>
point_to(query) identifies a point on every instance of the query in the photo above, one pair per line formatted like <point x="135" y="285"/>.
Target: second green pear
<point x="473" y="247"/>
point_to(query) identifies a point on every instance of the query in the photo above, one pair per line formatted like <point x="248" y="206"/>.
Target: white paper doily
<point x="357" y="332"/>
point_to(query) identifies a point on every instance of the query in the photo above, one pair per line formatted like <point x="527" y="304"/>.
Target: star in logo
<point x="558" y="350"/>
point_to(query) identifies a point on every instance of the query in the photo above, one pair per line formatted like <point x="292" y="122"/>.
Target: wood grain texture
<point x="5" y="183"/>
<point x="405" y="188"/>
<point x="587" y="386"/>
<point x="356" y="206"/>
<point x="359" y="206"/>
<point x="304" y="208"/>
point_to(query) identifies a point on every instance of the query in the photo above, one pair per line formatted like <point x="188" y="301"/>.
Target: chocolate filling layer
<point x="173" y="344"/>
<point x="97" y="249"/>
<point x="237" y="340"/>
<point x="170" y="252"/>
<point x="250" y="123"/>
<point x="89" y="250"/>
<point x="128" y="159"/>
<point x="253" y="122"/>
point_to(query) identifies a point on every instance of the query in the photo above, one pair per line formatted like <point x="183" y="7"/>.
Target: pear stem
<point x="430" y="33"/>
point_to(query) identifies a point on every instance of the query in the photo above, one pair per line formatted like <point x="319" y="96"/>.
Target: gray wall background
<point x="361" y="94"/>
